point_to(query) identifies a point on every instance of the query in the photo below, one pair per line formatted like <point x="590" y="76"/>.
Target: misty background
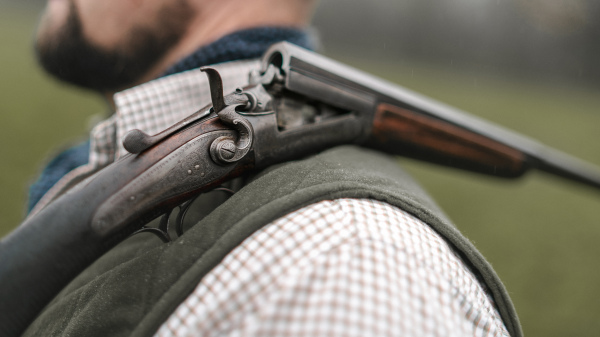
<point x="529" y="65"/>
<point x="556" y="40"/>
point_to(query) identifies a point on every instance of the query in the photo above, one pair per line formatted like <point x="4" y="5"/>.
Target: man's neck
<point x="240" y="45"/>
<point x="216" y="19"/>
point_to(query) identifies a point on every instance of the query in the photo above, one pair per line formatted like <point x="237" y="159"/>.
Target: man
<point x="344" y="241"/>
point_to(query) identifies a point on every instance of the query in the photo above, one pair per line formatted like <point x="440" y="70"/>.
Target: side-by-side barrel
<point x="406" y="123"/>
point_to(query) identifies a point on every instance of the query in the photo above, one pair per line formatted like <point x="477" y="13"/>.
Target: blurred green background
<point x="540" y="233"/>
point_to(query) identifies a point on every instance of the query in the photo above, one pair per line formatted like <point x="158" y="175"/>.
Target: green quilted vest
<point x="134" y="288"/>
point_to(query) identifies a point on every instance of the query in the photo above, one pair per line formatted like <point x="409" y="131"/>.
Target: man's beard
<point x="70" y="57"/>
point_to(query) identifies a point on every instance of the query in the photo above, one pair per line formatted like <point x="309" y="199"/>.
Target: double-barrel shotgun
<point x="297" y="104"/>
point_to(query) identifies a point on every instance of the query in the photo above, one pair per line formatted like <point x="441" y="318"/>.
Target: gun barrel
<point x="406" y="123"/>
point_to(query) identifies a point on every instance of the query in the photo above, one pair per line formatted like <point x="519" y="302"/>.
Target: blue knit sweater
<point x="245" y="44"/>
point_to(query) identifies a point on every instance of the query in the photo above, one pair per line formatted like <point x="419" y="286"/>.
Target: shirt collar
<point x="158" y="104"/>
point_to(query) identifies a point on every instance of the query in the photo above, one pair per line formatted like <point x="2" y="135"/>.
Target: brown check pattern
<point x="345" y="267"/>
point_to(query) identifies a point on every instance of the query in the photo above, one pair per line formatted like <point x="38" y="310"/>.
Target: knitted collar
<point x="241" y="45"/>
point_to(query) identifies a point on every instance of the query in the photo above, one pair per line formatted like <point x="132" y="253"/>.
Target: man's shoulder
<point x="336" y="259"/>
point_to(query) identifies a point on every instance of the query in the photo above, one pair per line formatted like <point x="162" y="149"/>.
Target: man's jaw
<point x="66" y="53"/>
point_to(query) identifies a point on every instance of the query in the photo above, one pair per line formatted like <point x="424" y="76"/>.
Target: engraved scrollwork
<point x="225" y="150"/>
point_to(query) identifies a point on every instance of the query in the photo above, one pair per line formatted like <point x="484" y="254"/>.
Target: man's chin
<point x="63" y="52"/>
<point x="84" y="66"/>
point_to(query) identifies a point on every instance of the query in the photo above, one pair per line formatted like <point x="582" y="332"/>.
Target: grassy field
<point x="540" y="233"/>
<point x="37" y="116"/>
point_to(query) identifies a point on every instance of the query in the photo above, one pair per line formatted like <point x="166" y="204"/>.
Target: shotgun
<point x="297" y="104"/>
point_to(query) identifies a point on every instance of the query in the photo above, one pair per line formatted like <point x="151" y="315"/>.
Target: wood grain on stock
<point x="407" y="133"/>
